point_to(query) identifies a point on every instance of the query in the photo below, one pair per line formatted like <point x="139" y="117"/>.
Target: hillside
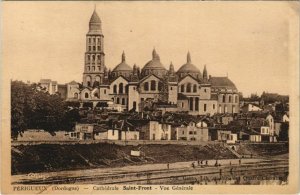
<point x="54" y="157"/>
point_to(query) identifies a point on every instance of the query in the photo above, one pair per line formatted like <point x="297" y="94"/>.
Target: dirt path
<point x="126" y="169"/>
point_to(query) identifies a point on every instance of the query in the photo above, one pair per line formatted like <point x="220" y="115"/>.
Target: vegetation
<point x="33" y="108"/>
<point x="56" y="157"/>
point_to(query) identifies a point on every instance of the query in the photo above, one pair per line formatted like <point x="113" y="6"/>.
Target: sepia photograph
<point x="149" y="97"/>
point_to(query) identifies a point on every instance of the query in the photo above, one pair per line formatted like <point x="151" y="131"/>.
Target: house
<point x="232" y="139"/>
<point x="155" y="131"/>
<point x="219" y="134"/>
<point x="83" y="131"/>
<point x="269" y="108"/>
<point x="250" y="135"/>
<point x="130" y="135"/>
<point x="194" y="131"/>
<point x="110" y="134"/>
<point x="223" y="119"/>
<point x="255" y="138"/>
<point x="105" y="132"/>
<point x="263" y="127"/>
<point x="129" y="132"/>
<point x="251" y="107"/>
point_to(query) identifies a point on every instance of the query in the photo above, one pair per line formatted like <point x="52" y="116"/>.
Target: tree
<point x="33" y="108"/>
<point x="284" y="132"/>
<point x="21" y="107"/>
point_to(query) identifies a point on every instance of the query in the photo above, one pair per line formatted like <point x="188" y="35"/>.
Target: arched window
<point x="195" y="88"/>
<point x="96" y="95"/>
<point x="146" y="86"/>
<point x="86" y="95"/>
<point x="118" y="100"/>
<point x="121" y="88"/>
<point x="182" y="88"/>
<point x="236" y="99"/>
<point x="94" y="48"/>
<point x="115" y="88"/>
<point x="88" y="58"/>
<point x="93" y="57"/>
<point x="223" y="98"/>
<point x="76" y="95"/>
<point x="153" y="85"/>
<point x="123" y="101"/>
<point x="98" y="78"/>
<point x="229" y="99"/>
<point x="188" y="88"/>
<point x="88" y="81"/>
<point x="126" y="89"/>
<point x="197" y="104"/>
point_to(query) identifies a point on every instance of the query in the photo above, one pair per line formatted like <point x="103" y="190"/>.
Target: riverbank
<point x="55" y="157"/>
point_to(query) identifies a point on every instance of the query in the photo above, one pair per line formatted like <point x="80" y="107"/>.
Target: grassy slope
<point x="54" y="157"/>
<point x="39" y="158"/>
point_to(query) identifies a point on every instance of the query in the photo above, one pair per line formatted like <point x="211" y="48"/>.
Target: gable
<point x="85" y="90"/>
<point x="150" y="78"/>
<point x="118" y="80"/>
<point x="188" y="79"/>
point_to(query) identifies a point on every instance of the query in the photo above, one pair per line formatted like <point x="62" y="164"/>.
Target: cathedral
<point x="187" y="89"/>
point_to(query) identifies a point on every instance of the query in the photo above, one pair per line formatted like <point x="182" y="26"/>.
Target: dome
<point x="154" y="66"/>
<point x="122" y="69"/>
<point x="188" y="67"/>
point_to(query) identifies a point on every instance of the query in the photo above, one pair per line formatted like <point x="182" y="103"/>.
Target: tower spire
<point x="188" y="57"/>
<point x="171" y="69"/>
<point x="205" y="73"/>
<point x="154" y="54"/>
<point x="123" y="56"/>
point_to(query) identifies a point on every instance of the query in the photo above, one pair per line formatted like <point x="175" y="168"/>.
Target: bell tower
<point x="94" y="65"/>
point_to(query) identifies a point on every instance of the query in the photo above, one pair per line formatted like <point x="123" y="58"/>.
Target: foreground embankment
<point x="56" y="157"/>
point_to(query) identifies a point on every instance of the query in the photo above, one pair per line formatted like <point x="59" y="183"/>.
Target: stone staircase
<point x="233" y="151"/>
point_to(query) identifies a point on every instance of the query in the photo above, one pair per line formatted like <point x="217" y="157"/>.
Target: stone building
<point x="189" y="89"/>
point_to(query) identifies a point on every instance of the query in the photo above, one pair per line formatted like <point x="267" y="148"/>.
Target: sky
<point x="248" y="41"/>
